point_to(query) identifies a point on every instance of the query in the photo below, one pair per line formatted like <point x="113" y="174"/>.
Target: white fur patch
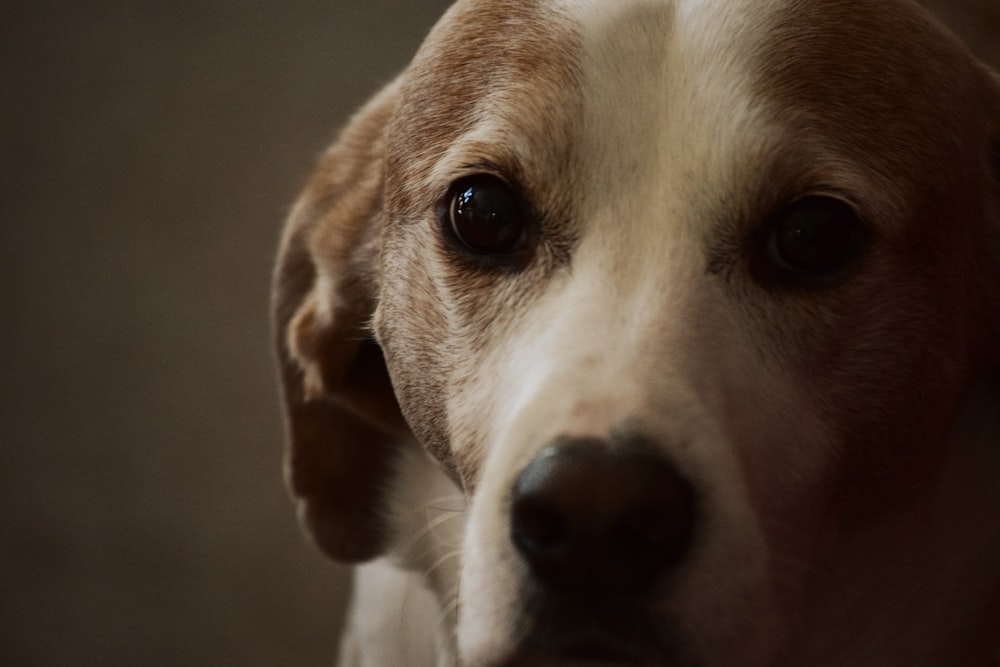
<point x="633" y="331"/>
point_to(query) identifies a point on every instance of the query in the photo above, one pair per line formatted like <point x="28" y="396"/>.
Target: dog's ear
<point x="342" y="420"/>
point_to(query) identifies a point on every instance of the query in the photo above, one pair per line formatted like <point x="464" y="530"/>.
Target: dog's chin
<point x="583" y="661"/>
<point x="589" y="654"/>
<point x="596" y="654"/>
<point x="611" y="635"/>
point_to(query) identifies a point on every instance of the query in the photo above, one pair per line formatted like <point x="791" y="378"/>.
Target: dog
<point x="657" y="332"/>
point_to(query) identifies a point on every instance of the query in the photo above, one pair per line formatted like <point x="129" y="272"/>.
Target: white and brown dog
<point x="657" y="332"/>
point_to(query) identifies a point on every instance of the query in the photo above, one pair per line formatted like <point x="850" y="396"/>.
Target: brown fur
<point x="530" y="65"/>
<point x="343" y="420"/>
<point x="891" y="59"/>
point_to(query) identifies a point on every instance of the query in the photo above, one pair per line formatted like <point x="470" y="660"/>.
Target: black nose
<point x="597" y="521"/>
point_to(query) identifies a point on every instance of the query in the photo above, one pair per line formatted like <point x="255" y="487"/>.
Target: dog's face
<point x="686" y="297"/>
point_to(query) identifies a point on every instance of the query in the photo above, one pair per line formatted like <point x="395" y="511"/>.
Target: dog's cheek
<point x="865" y="406"/>
<point x="422" y="323"/>
<point x="446" y="329"/>
<point x="411" y="327"/>
<point x="890" y="406"/>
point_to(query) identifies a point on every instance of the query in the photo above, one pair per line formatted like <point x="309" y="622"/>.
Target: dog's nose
<point x="593" y="520"/>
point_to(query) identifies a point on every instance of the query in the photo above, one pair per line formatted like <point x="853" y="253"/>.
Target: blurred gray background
<point x="150" y="151"/>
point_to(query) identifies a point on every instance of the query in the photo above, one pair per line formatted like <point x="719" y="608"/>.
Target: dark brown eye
<point x="816" y="236"/>
<point x="486" y="216"/>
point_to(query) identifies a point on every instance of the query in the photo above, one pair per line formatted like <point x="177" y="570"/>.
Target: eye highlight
<point x="815" y="236"/>
<point x="487" y="216"/>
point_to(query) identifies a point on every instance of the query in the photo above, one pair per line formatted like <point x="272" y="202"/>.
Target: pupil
<point x="817" y="235"/>
<point x="490" y="206"/>
<point x="487" y="218"/>
<point x="806" y="227"/>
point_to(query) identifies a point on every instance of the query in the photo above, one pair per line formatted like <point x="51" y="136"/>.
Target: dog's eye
<point x="816" y="235"/>
<point x="486" y="216"/>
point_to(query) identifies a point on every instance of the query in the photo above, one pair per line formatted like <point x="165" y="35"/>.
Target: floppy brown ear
<point x="342" y="420"/>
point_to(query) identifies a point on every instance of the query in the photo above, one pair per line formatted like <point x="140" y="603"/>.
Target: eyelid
<point x="830" y="192"/>
<point x="445" y="177"/>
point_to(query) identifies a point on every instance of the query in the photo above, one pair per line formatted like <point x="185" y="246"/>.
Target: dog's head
<point x="686" y="298"/>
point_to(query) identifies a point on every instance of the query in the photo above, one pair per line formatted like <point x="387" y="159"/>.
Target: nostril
<point x="597" y="521"/>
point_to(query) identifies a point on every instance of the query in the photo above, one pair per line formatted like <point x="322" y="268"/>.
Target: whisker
<point x="428" y="529"/>
<point x="440" y="562"/>
<point x="439" y="503"/>
<point x="450" y="606"/>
